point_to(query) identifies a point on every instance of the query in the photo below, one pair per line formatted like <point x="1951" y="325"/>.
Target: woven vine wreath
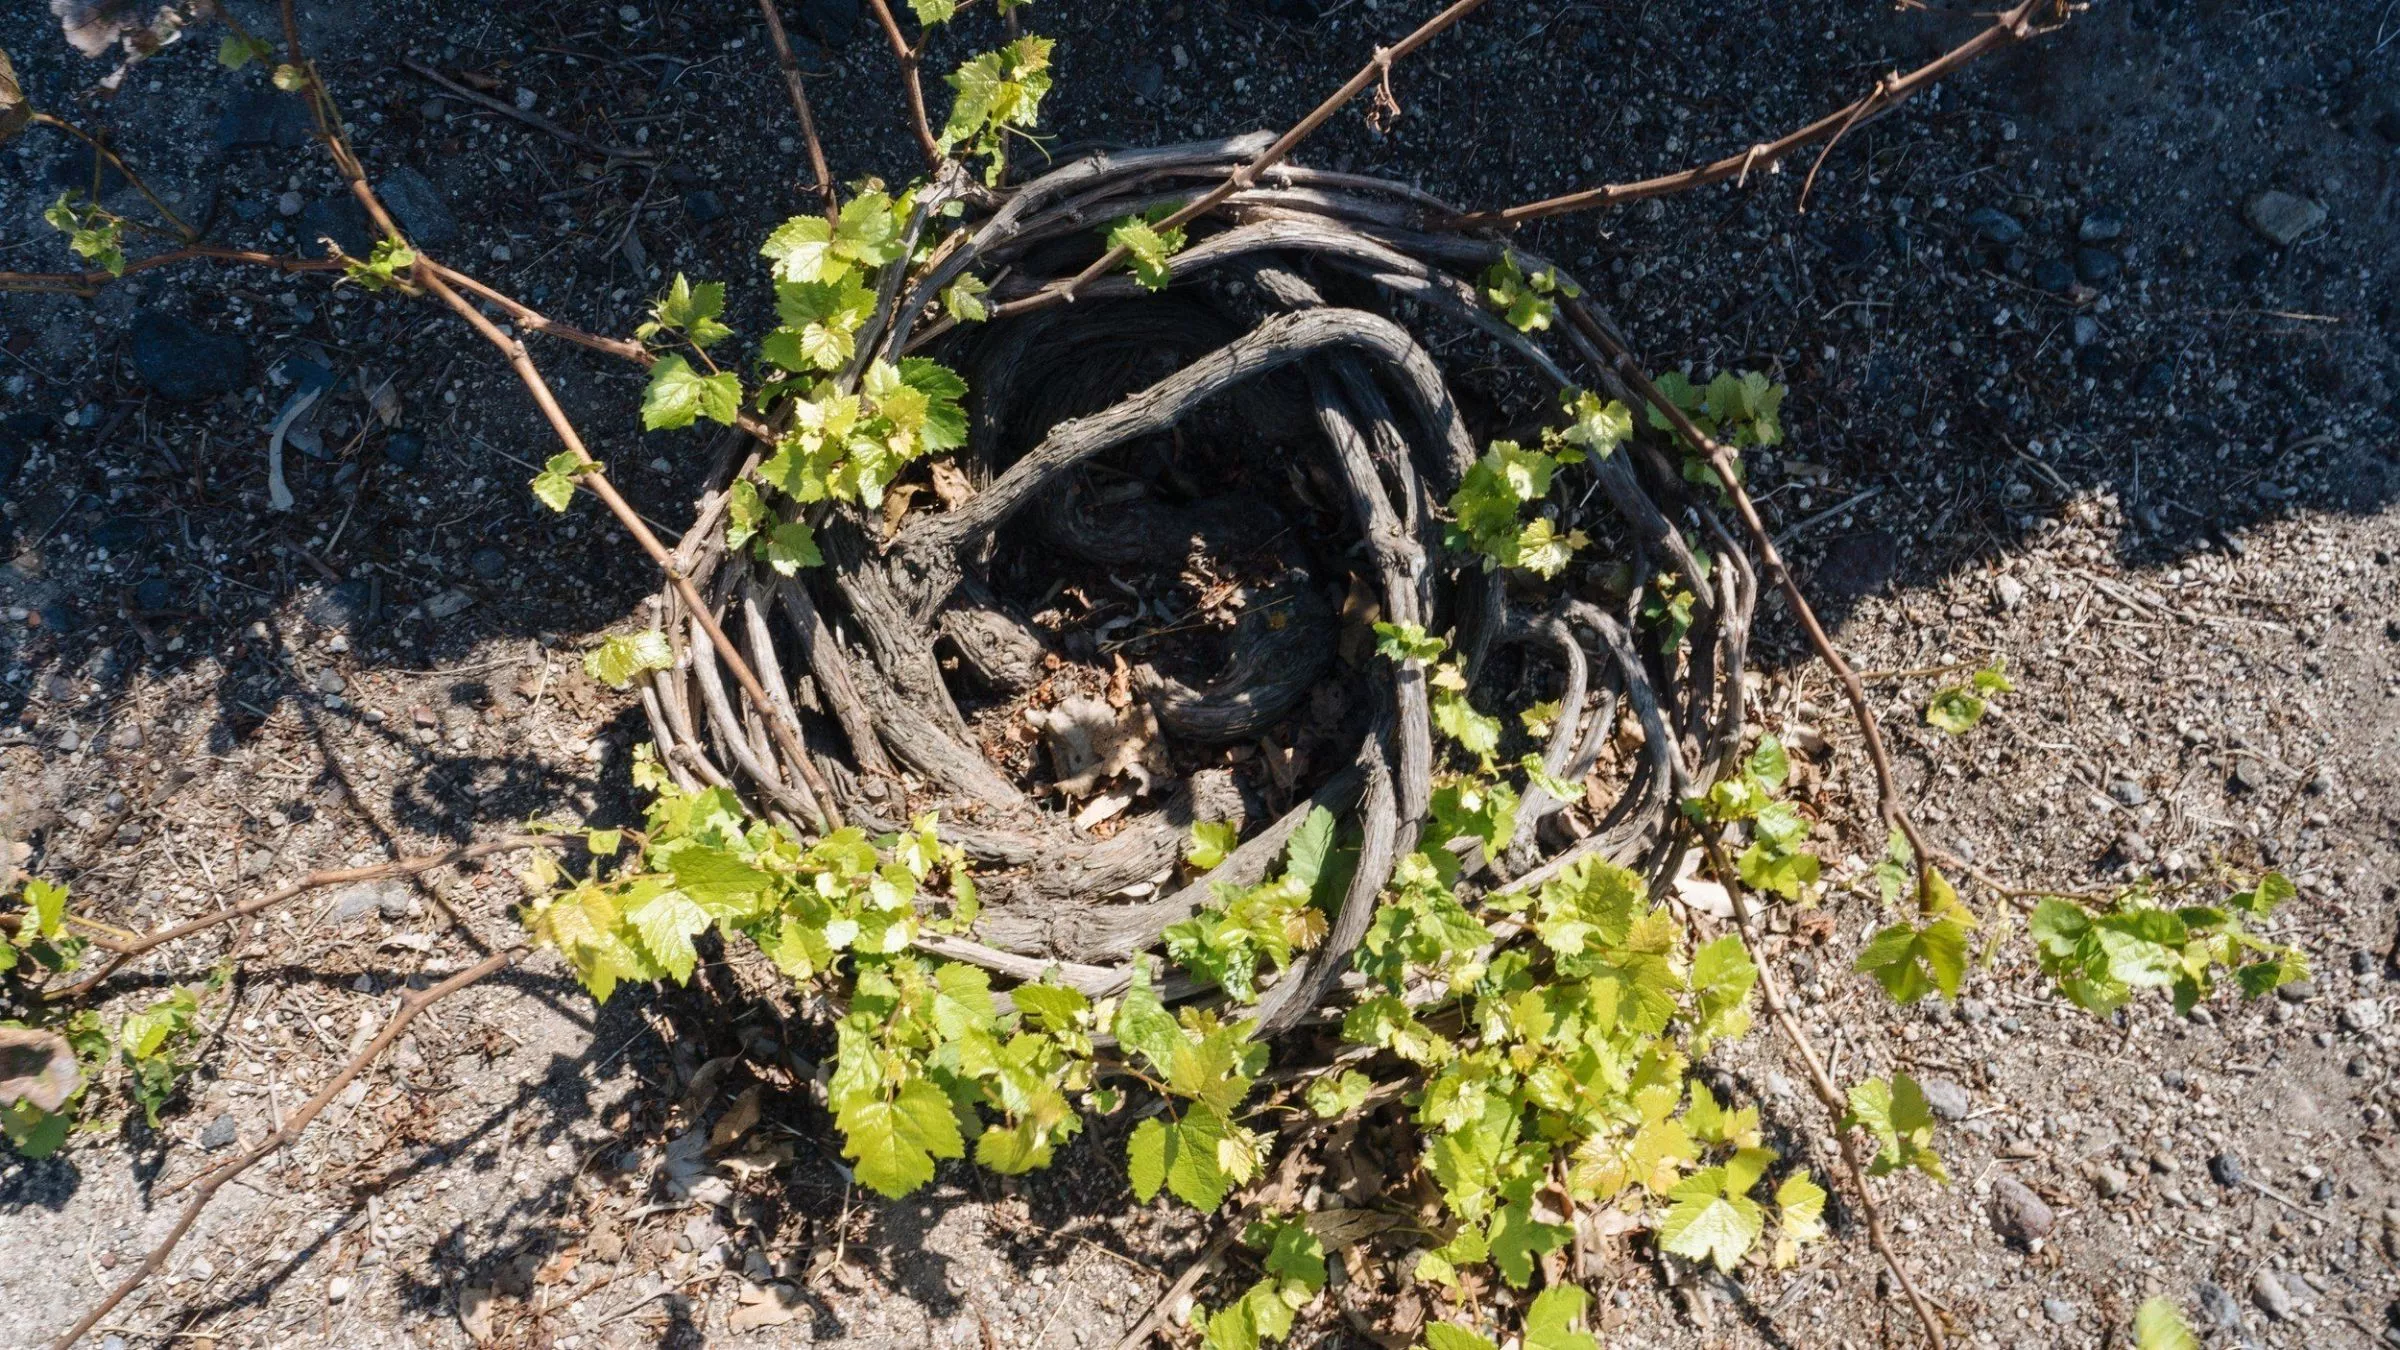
<point x="1271" y="425"/>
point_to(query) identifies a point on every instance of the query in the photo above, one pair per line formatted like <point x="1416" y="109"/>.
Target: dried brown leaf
<point x="37" y="1067"/>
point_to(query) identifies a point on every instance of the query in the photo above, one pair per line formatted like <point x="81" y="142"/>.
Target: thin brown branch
<point x="2006" y="30"/>
<point x="1820" y="1083"/>
<point x="125" y="951"/>
<point x="98" y="148"/>
<point x="531" y="119"/>
<point x="1374" y="72"/>
<point x="910" y="80"/>
<point x="790" y="66"/>
<point x="596" y="480"/>
<point x="215" y="1179"/>
<point x="89" y="283"/>
<point x="525" y="316"/>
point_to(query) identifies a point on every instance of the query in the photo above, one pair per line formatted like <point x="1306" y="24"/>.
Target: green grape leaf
<point x="691" y="310"/>
<point x="677" y="395"/>
<point x="1911" y="962"/>
<point x="790" y="546"/>
<point x="619" y="660"/>
<point x="801" y="250"/>
<point x="931" y="12"/>
<point x="1517" y="1239"/>
<point x="555" y="484"/>
<point x="1148" y="249"/>
<point x="1800" y="1208"/>
<point x="895" y="1142"/>
<point x="1311" y="844"/>
<point x="1897" y="1114"/>
<point x="1211" y="841"/>
<point x="1712" y="1219"/>
<point x="2157" y="1325"/>
<point x="997" y="93"/>
<point x="235" y="52"/>
<point x="46" y="908"/>
<point x="1954" y="710"/>
<point x="1330" y="1097"/>
<point x="667" y="922"/>
<point x="1451" y="1336"/>
<point x="963" y="299"/>
<point x="1146" y="1158"/>
<point x="1553" y="1322"/>
<point x="1407" y="642"/>
<point x="33" y="1132"/>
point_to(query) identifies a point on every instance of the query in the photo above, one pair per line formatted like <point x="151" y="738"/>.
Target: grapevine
<point x="1530" y="712"/>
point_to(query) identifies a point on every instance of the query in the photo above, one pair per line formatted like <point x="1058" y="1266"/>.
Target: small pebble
<point x="2101" y="224"/>
<point x="2018" y="1214"/>
<point x="2110" y="1182"/>
<point x="2058" y="1310"/>
<point x="2272" y="1298"/>
<point x="2227" y="1169"/>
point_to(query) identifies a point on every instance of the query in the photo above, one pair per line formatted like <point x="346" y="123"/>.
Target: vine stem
<point x="210" y="1182"/>
<point x="1887" y="785"/>
<point x="1770" y="988"/>
<point x="910" y="80"/>
<point x="59" y="123"/>
<point x="125" y="951"/>
<point x="596" y="480"/>
<point x="789" y="64"/>
<point x="89" y="283"/>
<point x="1374" y="72"/>
<point x="2007" y="29"/>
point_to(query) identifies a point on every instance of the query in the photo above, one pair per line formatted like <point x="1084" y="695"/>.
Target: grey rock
<point x="418" y="208"/>
<point x="2110" y="1182"/>
<point x="2271" y="1297"/>
<point x="184" y="362"/>
<point x="1947" y="1098"/>
<point x="2018" y="1214"/>
<point x="2101" y="224"/>
<point x="2008" y="592"/>
<point x="2362" y="1014"/>
<point x="367" y="897"/>
<point x="219" y="1133"/>
<point x="489" y="564"/>
<point x="447" y="603"/>
<point x="2059" y="1310"/>
<point x="261" y="118"/>
<point x="2054" y="275"/>
<point x="340" y="219"/>
<point x="1149" y="81"/>
<point x="705" y="207"/>
<point x="2227" y="1169"/>
<point x="2283" y="217"/>
<point x="2086" y="330"/>
<point x="2128" y="792"/>
<point x="2298" y="991"/>
<point x="1973" y="1010"/>
<point x="2098" y="267"/>
<point x="1995" y="226"/>
<point x="2218" y="1306"/>
<point x="341" y="605"/>
<point x="330" y="681"/>
<point x="1856" y="245"/>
